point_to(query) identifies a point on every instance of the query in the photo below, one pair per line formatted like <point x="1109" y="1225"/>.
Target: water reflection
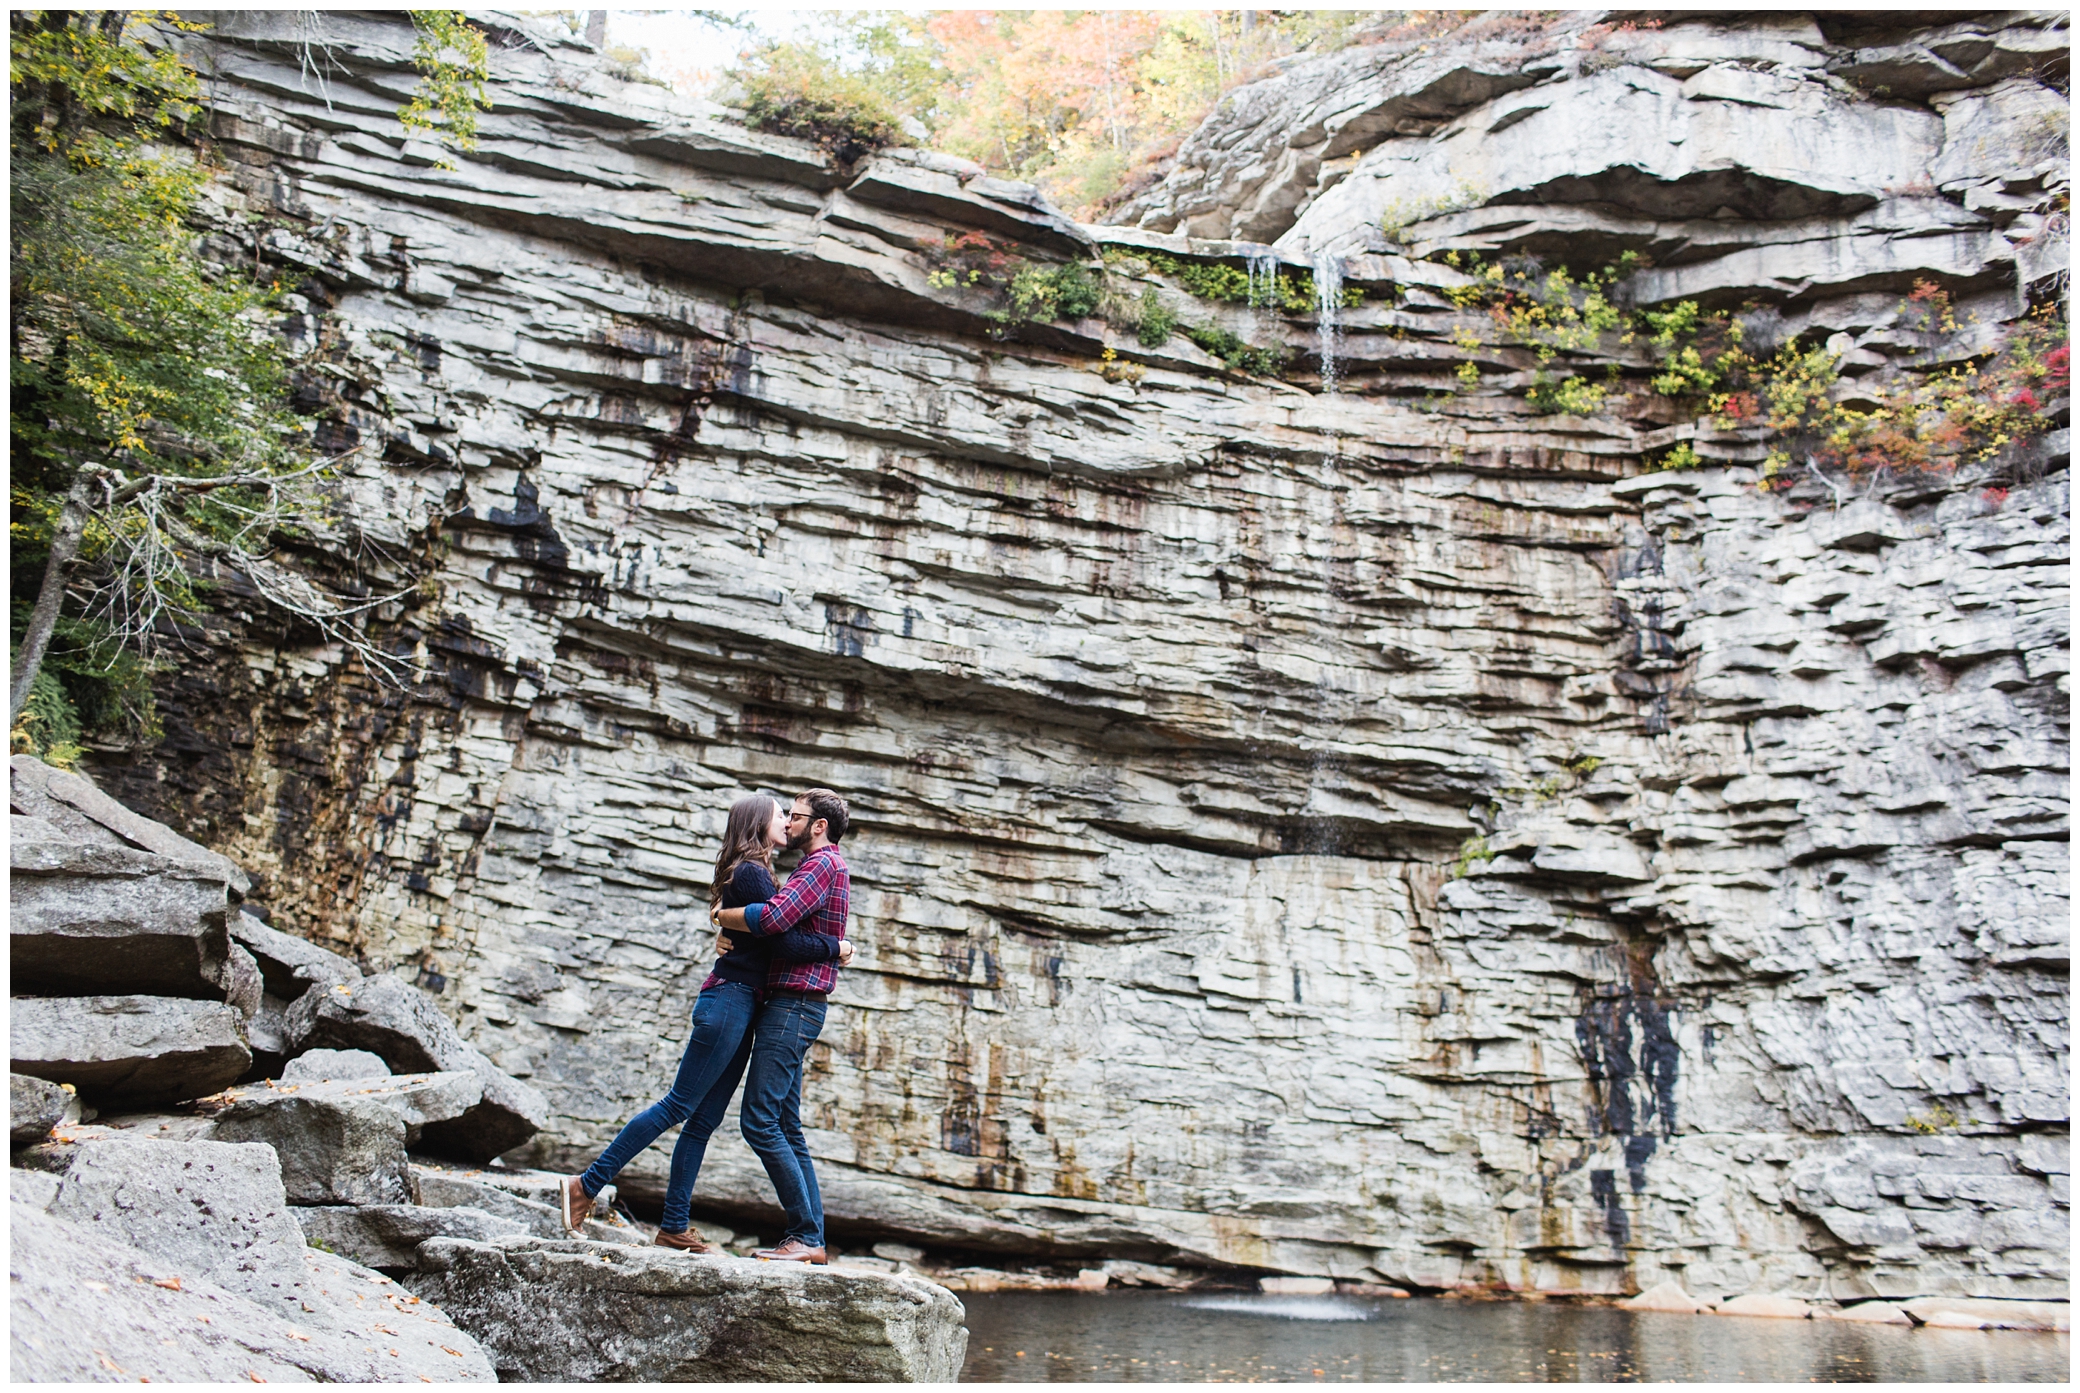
<point x="1151" y="1337"/>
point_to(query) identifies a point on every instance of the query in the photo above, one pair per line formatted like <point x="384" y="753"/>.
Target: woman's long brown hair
<point x="743" y="839"/>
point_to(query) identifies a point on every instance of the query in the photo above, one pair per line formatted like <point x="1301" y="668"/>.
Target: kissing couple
<point x="762" y="1006"/>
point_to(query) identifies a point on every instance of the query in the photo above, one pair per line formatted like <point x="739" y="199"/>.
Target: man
<point x="818" y="897"/>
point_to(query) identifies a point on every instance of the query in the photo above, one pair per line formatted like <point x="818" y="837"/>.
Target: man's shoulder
<point x="831" y="856"/>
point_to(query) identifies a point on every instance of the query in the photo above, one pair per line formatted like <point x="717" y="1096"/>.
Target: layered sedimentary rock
<point x="1168" y="699"/>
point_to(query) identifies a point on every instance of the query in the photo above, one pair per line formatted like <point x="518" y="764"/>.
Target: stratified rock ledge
<point x="571" y="1311"/>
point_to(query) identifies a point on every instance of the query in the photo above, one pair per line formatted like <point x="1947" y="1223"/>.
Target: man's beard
<point x="798" y="841"/>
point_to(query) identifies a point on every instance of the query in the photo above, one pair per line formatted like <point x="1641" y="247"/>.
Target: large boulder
<point x="101" y="919"/>
<point x="213" y="1210"/>
<point x="34" y="1106"/>
<point x="289" y="966"/>
<point x="84" y="1307"/>
<point x="209" y="1221"/>
<point x="332" y="1150"/>
<point x="128" y="1050"/>
<point x="343" y="1140"/>
<point x="86" y="815"/>
<point x="389" y="1235"/>
<point x="102" y="900"/>
<point x="417" y="1099"/>
<point x="580" y="1312"/>
<point x="387" y="1017"/>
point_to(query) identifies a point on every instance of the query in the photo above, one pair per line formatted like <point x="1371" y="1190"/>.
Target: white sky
<point x="691" y="52"/>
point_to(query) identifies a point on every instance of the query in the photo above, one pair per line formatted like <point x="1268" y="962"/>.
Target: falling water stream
<point x="1262" y="264"/>
<point x="1328" y="314"/>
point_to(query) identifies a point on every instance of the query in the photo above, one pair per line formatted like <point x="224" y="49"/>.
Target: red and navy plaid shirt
<point x="817" y="897"/>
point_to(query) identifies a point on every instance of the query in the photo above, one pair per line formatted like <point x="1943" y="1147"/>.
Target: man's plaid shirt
<point x="817" y="897"/>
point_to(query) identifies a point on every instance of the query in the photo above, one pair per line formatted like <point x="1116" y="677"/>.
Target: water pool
<point x="1133" y="1337"/>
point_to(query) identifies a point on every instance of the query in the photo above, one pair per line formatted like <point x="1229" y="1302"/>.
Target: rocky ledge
<point x="1352" y="825"/>
<point x="299" y="1226"/>
<point x="573" y="1311"/>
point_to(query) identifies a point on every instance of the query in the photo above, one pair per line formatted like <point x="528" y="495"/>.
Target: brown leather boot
<point x="687" y="1242"/>
<point x="793" y="1250"/>
<point x="577" y="1205"/>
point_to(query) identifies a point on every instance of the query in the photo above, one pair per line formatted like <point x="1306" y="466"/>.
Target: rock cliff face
<point x="1167" y="698"/>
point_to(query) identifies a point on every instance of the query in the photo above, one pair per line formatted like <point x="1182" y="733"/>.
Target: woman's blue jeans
<point x="716" y="1051"/>
<point x="772" y="1111"/>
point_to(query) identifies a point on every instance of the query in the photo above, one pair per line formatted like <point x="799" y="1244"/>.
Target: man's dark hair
<point x="832" y="809"/>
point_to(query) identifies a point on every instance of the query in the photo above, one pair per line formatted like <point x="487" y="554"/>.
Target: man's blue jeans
<point x="716" y="1051"/>
<point x="772" y="1111"/>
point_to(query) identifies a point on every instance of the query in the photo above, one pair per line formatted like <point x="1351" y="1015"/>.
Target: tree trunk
<point x="72" y="525"/>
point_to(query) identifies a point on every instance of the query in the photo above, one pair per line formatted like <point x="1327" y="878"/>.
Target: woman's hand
<point x="844" y="952"/>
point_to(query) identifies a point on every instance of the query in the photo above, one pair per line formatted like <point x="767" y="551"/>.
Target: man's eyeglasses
<point x="801" y="817"/>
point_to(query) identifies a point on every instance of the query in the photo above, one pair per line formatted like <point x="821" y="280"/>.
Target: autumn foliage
<point x="1075" y="100"/>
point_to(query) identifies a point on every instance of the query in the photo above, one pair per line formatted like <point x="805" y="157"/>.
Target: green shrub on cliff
<point x="796" y="90"/>
<point x="1733" y="370"/>
<point x="1016" y="290"/>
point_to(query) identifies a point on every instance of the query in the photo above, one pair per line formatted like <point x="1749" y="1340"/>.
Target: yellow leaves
<point x="454" y="62"/>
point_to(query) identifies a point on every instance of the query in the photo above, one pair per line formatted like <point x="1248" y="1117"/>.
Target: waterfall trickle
<point x="1328" y="311"/>
<point x="1262" y="264"/>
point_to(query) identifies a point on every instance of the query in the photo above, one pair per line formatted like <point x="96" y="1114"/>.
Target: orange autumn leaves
<point x="1074" y="100"/>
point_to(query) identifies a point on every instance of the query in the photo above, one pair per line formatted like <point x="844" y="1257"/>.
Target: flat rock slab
<point x="55" y="1153"/>
<point x="87" y="815"/>
<point x="318" y="1066"/>
<point x="34" y="1106"/>
<point x="134" y="1050"/>
<point x="1669" y="1296"/>
<point x="1766" y="1305"/>
<point x="212" y="1209"/>
<point x="417" y="1099"/>
<point x="36" y="1188"/>
<point x="84" y="1307"/>
<point x="1989" y="1313"/>
<point x="84" y="920"/>
<point x="400" y="1023"/>
<point x="389" y="1235"/>
<point x="333" y="1149"/>
<point x="573" y="1311"/>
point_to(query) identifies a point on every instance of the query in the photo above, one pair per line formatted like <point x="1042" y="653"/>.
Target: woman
<point x="720" y="1040"/>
